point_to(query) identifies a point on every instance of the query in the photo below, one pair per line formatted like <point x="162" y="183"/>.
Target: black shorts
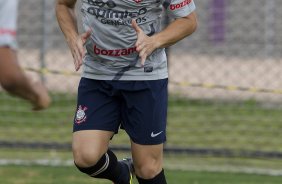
<point x="139" y="107"/>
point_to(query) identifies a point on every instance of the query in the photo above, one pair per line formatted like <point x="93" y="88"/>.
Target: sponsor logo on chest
<point x="115" y="52"/>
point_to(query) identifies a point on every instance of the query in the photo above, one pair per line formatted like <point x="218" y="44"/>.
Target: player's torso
<point x="112" y="43"/>
<point x="110" y="22"/>
<point x="120" y="12"/>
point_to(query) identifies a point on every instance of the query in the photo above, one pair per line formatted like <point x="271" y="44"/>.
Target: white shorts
<point x="8" y="23"/>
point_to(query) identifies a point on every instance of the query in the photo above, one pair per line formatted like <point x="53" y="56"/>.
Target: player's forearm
<point x="67" y="21"/>
<point x="176" y="31"/>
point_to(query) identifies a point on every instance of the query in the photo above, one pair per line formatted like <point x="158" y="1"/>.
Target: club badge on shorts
<point x="80" y="115"/>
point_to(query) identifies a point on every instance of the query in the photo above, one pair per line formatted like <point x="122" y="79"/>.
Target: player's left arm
<point x="174" y="32"/>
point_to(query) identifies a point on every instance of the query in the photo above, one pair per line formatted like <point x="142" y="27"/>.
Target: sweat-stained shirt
<point x="111" y="52"/>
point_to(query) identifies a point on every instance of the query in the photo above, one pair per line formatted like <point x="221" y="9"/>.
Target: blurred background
<point x="225" y="105"/>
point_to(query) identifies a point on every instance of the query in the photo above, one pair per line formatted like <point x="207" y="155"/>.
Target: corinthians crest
<point x="80" y="115"/>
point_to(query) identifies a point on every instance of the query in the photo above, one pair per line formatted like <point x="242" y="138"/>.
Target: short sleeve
<point x="179" y="8"/>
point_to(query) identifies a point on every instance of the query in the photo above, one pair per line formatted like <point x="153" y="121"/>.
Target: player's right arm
<point x="67" y="20"/>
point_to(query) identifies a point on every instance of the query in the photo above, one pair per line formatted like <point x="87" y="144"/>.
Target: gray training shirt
<point x="111" y="52"/>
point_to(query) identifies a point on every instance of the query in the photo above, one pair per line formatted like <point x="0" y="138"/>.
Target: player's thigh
<point x="144" y="112"/>
<point x="90" y="143"/>
<point x="96" y="120"/>
<point x="97" y="108"/>
<point x="148" y="159"/>
<point x="144" y="153"/>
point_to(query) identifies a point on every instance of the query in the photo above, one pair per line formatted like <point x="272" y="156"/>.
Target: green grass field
<point x="193" y="123"/>
<point x="69" y="175"/>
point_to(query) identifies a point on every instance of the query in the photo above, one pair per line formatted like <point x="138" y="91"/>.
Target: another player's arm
<point x="174" y="32"/>
<point x="67" y="20"/>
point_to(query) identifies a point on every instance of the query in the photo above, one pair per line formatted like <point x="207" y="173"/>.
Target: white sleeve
<point x="179" y="8"/>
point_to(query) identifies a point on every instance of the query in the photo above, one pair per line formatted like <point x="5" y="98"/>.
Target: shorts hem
<point x="102" y="129"/>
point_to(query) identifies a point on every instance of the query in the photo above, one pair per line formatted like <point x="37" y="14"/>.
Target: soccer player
<point x="124" y="82"/>
<point x="12" y="78"/>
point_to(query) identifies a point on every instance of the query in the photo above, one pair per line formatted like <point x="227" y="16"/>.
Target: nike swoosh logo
<point x="155" y="135"/>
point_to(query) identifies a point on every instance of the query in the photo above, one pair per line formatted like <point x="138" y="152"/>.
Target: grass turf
<point x="191" y="123"/>
<point x="59" y="175"/>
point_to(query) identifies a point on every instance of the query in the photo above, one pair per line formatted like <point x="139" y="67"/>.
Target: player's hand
<point x="145" y="45"/>
<point x="78" y="50"/>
